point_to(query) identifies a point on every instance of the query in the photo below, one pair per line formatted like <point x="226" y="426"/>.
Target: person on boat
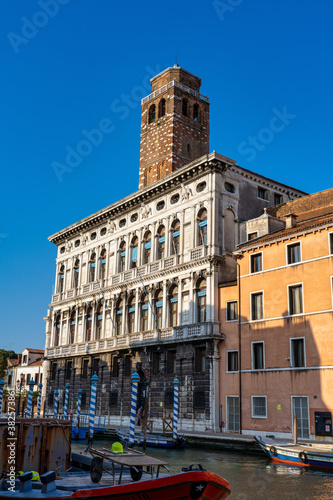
<point x="139" y="416"/>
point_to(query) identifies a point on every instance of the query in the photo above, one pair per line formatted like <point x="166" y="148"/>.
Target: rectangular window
<point x="115" y="366"/>
<point x="233" y="413"/>
<point x="36" y="380"/>
<point x="252" y="236"/>
<point x="262" y="193"/>
<point x="232" y="311"/>
<point x="128" y="366"/>
<point x="28" y="380"/>
<point x="68" y="370"/>
<point x="297" y="347"/>
<point x="83" y="399"/>
<point x="85" y="368"/>
<point x="50" y="399"/>
<point x="295" y="299"/>
<point x="331" y="243"/>
<point x="199" y="399"/>
<point x="171" y="362"/>
<point x="258" y="362"/>
<point x="156" y="362"/>
<point x="294" y="253"/>
<point x="113" y="399"/>
<point x="277" y="199"/>
<point x="232" y="361"/>
<point x="259" y="407"/>
<point x="168" y="398"/>
<point x="95" y="366"/>
<point x="53" y="371"/>
<point x="200" y="359"/>
<point x="257" y="306"/>
<point x="24" y="359"/>
<point x="256" y="262"/>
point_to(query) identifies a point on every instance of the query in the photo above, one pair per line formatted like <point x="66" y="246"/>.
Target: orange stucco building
<point x="277" y="357"/>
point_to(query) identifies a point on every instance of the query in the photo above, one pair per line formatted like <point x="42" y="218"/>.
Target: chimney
<point x="290" y="220"/>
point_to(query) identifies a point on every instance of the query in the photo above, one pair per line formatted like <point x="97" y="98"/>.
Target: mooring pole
<point x="94" y="379"/>
<point x="175" y="408"/>
<point x="29" y="404"/>
<point x="56" y="395"/>
<point x="66" y="400"/>
<point x="39" y="400"/>
<point x="135" y="383"/>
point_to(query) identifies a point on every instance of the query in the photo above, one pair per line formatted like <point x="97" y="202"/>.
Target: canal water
<point x="251" y="477"/>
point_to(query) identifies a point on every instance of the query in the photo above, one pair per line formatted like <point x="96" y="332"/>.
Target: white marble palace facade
<point x="136" y="287"/>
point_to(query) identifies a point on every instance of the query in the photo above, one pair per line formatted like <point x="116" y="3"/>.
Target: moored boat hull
<point x="193" y="485"/>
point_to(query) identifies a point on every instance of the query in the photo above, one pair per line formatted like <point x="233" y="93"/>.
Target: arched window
<point x="122" y="256"/>
<point x="161" y="243"/>
<point x="99" y="322"/>
<point x="144" y="313"/>
<point x="152" y="113"/>
<point x="134" y="260"/>
<point x="72" y="327"/>
<point x="174" y="307"/>
<point x="119" y="317"/>
<point x="175" y="238"/>
<point x="57" y="330"/>
<point x="88" y="324"/>
<point x="201" y="301"/>
<point x="202" y="227"/>
<point x="102" y="269"/>
<point x="161" y="108"/>
<point x="196" y="112"/>
<point x="147" y="248"/>
<point x="159" y="308"/>
<point x="185" y="106"/>
<point x="61" y="279"/>
<point x="92" y="268"/>
<point x="76" y="276"/>
<point x="131" y="315"/>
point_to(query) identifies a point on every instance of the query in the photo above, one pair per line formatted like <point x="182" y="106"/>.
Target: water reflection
<point x="251" y="477"/>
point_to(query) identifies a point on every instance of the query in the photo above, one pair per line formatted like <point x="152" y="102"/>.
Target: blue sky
<point x="69" y="67"/>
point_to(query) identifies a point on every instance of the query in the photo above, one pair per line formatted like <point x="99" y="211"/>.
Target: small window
<point x="295" y="299"/>
<point x="262" y="193"/>
<point x="103" y="231"/>
<point x="201" y="187"/>
<point x="113" y="399"/>
<point x="115" y="366"/>
<point x="185" y="107"/>
<point x="232" y="361"/>
<point x="85" y="366"/>
<point x="202" y="229"/>
<point x="62" y="250"/>
<point x="92" y="268"/>
<point x="331" y="243"/>
<point x="156" y="362"/>
<point x="199" y="400"/>
<point x="122" y="223"/>
<point x="277" y="199"/>
<point x="256" y="262"/>
<point x="252" y="236"/>
<point x="168" y="398"/>
<point x="50" y="399"/>
<point x="257" y="306"/>
<point x="175" y="239"/>
<point x="171" y="362"/>
<point x="161" y="108"/>
<point x="195" y="112"/>
<point x="232" y="311"/>
<point x="294" y="253"/>
<point x="258" y="356"/>
<point x="128" y="366"/>
<point x="83" y="399"/>
<point x="134" y="217"/>
<point x="297" y="353"/>
<point x="77" y="243"/>
<point x="53" y="371"/>
<point x="259" y="407"/>
<point x="152" y="113"/>
<point x="161" y="243"/>
<point x="134" y="253"/>
<point x="174" y="199"/>
<point x="200" y="359"/>
<point x="160" y="205"/>
<point x="229" y="187"/>
<point x="69" y="366"/>
<point x="93" y="235"/>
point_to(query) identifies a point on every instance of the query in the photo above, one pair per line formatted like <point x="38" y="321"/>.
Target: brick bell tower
<point x="174" y="124"/>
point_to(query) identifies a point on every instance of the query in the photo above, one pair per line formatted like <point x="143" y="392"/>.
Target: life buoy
<point x="303" y="457"/>
<point x="273" y="451"/>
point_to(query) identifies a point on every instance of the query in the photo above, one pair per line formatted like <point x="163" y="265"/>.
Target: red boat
<point x="191" y="485"/>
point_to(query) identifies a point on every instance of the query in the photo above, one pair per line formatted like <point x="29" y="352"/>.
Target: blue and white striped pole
<point x="29" y="404"/>
<point x="66" y="400"/>
<point x="39" y="400"/>
<point x="79" y="407"/>
<point x="175" y="408"/>
<point x="94" y="379"/>
<point x="2" y="384"/>
<point x="56" y="395"/>
<point x="135" y="382"/>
